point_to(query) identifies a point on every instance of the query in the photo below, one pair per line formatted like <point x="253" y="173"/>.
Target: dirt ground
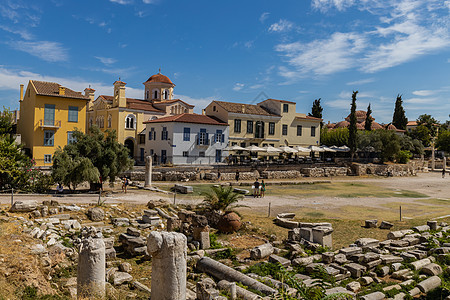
<point x="435" y="201"/>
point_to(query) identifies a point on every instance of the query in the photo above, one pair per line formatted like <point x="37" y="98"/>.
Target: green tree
<point x="368" y="123"/>
<point x="221" y="198"/>
<point x="385" y="142"/>
<point x="73" y="170"/>
<point x="6" y="122"/>
<point x="316" y="110"/>
<point x="106" y="155"/>
<point x="429" y="122"/>
<point x="335" y="137"/>
<point x="443" y="141"/>
<point x="399" y="119"/>
<point x="421" y="133"/>
<point x="352" y="130"/>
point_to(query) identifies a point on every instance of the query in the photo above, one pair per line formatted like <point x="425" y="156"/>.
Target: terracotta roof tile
<point x="52" y="89"/>
<point x="309" y="118"/>
<point x="242" y="108"/>
<point x="173" y="101"/>
<point x="188" y="118"/>
<point x="135" y="104"/>
<point x="282" y="101"/>
<point x="159" y="78"/>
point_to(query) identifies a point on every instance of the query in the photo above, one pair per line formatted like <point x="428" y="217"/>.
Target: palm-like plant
<point x="221" y="198"/>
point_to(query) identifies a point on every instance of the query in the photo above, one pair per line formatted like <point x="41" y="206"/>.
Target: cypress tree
<point x="316" y="110"/>
<point x="368" y="123"/>
<point x="399" y="119"/>
<point x="352" y="130"/>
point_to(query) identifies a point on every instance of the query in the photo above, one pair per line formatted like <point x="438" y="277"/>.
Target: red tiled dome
<point x="159" y="78"/>
<point x="342" y="124"/>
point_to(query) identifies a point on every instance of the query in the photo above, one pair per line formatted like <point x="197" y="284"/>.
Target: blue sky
<point x="237" y="51"/>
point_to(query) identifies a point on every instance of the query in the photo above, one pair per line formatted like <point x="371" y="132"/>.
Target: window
<point x="299" y="130"/>
<point x="152" y="134"/>
<point x="313" y="130"/>
<point x="237" y="125"/>
<point x="47" y="158"/>
<point x="186" y="134"/>
<point x="201" y="154"/>
<point x="185" y="154"/>
<point x="142" y="139"/>
<point x="164" y="134"/>
<point x="155" y="94"/>
<point x="259" y="130"/>
<point x="202" y="137"/>
<point x="285" y="130"/>
<point x="285" y="108"/>
<point x="129" y="122"/>
<point x="70" y="138"/>
<point x="73" y="114"/>
<point x="271" y="128"/>
<point x="147" y="93"/>
<point x="49" y="114"/>
<point x="214" y="108"/>
<point x="219" y="137"/>
<point x="243" y="145"/>
<point x="233" y="143"/>
<point x="109" y="121"/>
<point x="249" y="126"/>
<point x="166" y="94"/>
<point x="49" y="137"/>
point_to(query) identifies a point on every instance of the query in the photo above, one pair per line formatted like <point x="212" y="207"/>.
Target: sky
<point x="237" y="51"/>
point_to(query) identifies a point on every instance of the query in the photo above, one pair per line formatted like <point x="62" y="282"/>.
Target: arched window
<point x="166" y="94"/>
<point x="109" y="121"/>
<point x="129" y="122"/>
<point x="155" y="94"/>
<point x="147" y="93"/>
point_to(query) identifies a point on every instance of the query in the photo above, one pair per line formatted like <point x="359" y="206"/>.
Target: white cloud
<point x="238" y="86"/>
<point x="322" y="57"/>
<point x="420" y="100"/>
<point x="325" y="5"/>
<point x="264" y="16"/>
<point x="281" y="26"/>
<point x="257" y="86"/>
<point x="150" y="1"/>
<point x="22" y="32"/>
<point x="45" y="50"/>
<point x="200" y="103"/>
<point x="123" y="2"/>
<point x="423" y="93"/>
<point x="361" y="81"/>
<point x="106" y="60"/>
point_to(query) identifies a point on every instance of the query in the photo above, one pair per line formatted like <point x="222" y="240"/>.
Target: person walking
<point x="218" y="175"/>
<point x="124" y="185"/>
<point x="256" y="187"/>
<point x="237" y="176"/>
<point x="263" y="188"/>
<point x="443" y="171"/>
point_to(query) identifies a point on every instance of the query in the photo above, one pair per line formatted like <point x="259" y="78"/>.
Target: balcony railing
<point x="49" y="123"/>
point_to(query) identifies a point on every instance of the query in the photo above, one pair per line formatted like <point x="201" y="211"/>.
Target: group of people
<point x="259" y="188"/>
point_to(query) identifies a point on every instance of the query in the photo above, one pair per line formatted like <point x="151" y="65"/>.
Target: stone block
<point x="432" y="224"/>
<point x="383" y="271"/>
<point x="294" y="234"/>
<point x="327" y="257"/>
<point x="353" y="286"/>
<point x="367" y="242"/>
<point x="356" y="270"/>
<point x="322" y="236"/>
<point x="121" y="277"/>
<point x="366" y="280"/>
<point x="306" y="233"/>
<point x="96" y="214"/>
<point x="340" y="258"/>
<point x="431" y="269"/>
<point x="154" y="221"/>
<point x="205" y="242"/>
<point x="261" y="251"/>
<point x="24" y="206"/>
<point x="350" y="250"/>
<point x="389" y="259"/>
<point x="373" y="296"/>
<point x="278" y="259"/>
<point x="386" y="225"/>
<point x="371" y="223"/>
<point x="421" y="228"/>
<point x="429" y="284"/>
<point x="419" y="264"/>
<point x="133" y="232"/>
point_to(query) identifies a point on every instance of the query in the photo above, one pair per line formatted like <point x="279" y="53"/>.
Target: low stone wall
<point x="325" y="172"/>
<point x="383" y="170"/>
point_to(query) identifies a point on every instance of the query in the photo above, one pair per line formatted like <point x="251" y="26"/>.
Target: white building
<point x="186" y="139"/>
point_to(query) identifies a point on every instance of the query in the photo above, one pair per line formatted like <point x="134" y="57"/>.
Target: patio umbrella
<point x="340" y="149"/>
<point x="287" y="149"/>
<point x="255" y="149"/>
<point x="328" y="149"/>
<point x="315" y="149"/>
<point x="234" y="148"/>
<point x="302" y="149"/>
<point x="271" y="149"/>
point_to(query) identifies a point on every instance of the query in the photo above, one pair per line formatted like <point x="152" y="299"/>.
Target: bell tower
<point x="158" y="88"/>
<point x="119" y="99"/>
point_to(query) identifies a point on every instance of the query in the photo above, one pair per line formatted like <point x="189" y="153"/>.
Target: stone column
<point x="148" y="171"/>
<point x="168" y="250"/>
<point x="91" y="265"/>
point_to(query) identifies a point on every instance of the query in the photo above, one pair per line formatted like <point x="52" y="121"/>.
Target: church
<point x="126" y="115"/>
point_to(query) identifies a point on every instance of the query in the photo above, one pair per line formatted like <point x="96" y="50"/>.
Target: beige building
<point x="126" y="115"/>
<point x="269" y="123"/>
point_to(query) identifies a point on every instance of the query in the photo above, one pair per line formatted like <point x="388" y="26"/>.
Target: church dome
<point x="159" y="78"/>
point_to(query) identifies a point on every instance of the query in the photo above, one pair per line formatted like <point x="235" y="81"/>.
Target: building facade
<point x="126" y="115"/>
<point x="186" y="139"/>
<point x="49" y="113"/>
<point x="269" y="123"/>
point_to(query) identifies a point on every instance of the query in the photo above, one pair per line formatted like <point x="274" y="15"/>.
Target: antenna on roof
<point x="119" y="78"/>
<point x="89" y="86"/>
<point x="159" y="71"/>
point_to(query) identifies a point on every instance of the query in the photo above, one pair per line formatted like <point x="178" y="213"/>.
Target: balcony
<point x="55" y="124"/>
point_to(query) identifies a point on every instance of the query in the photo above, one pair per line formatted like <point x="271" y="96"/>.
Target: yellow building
<point x="126" y="115"/>
<point x="269" y="123"/>
<point x="49" y="113"/>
